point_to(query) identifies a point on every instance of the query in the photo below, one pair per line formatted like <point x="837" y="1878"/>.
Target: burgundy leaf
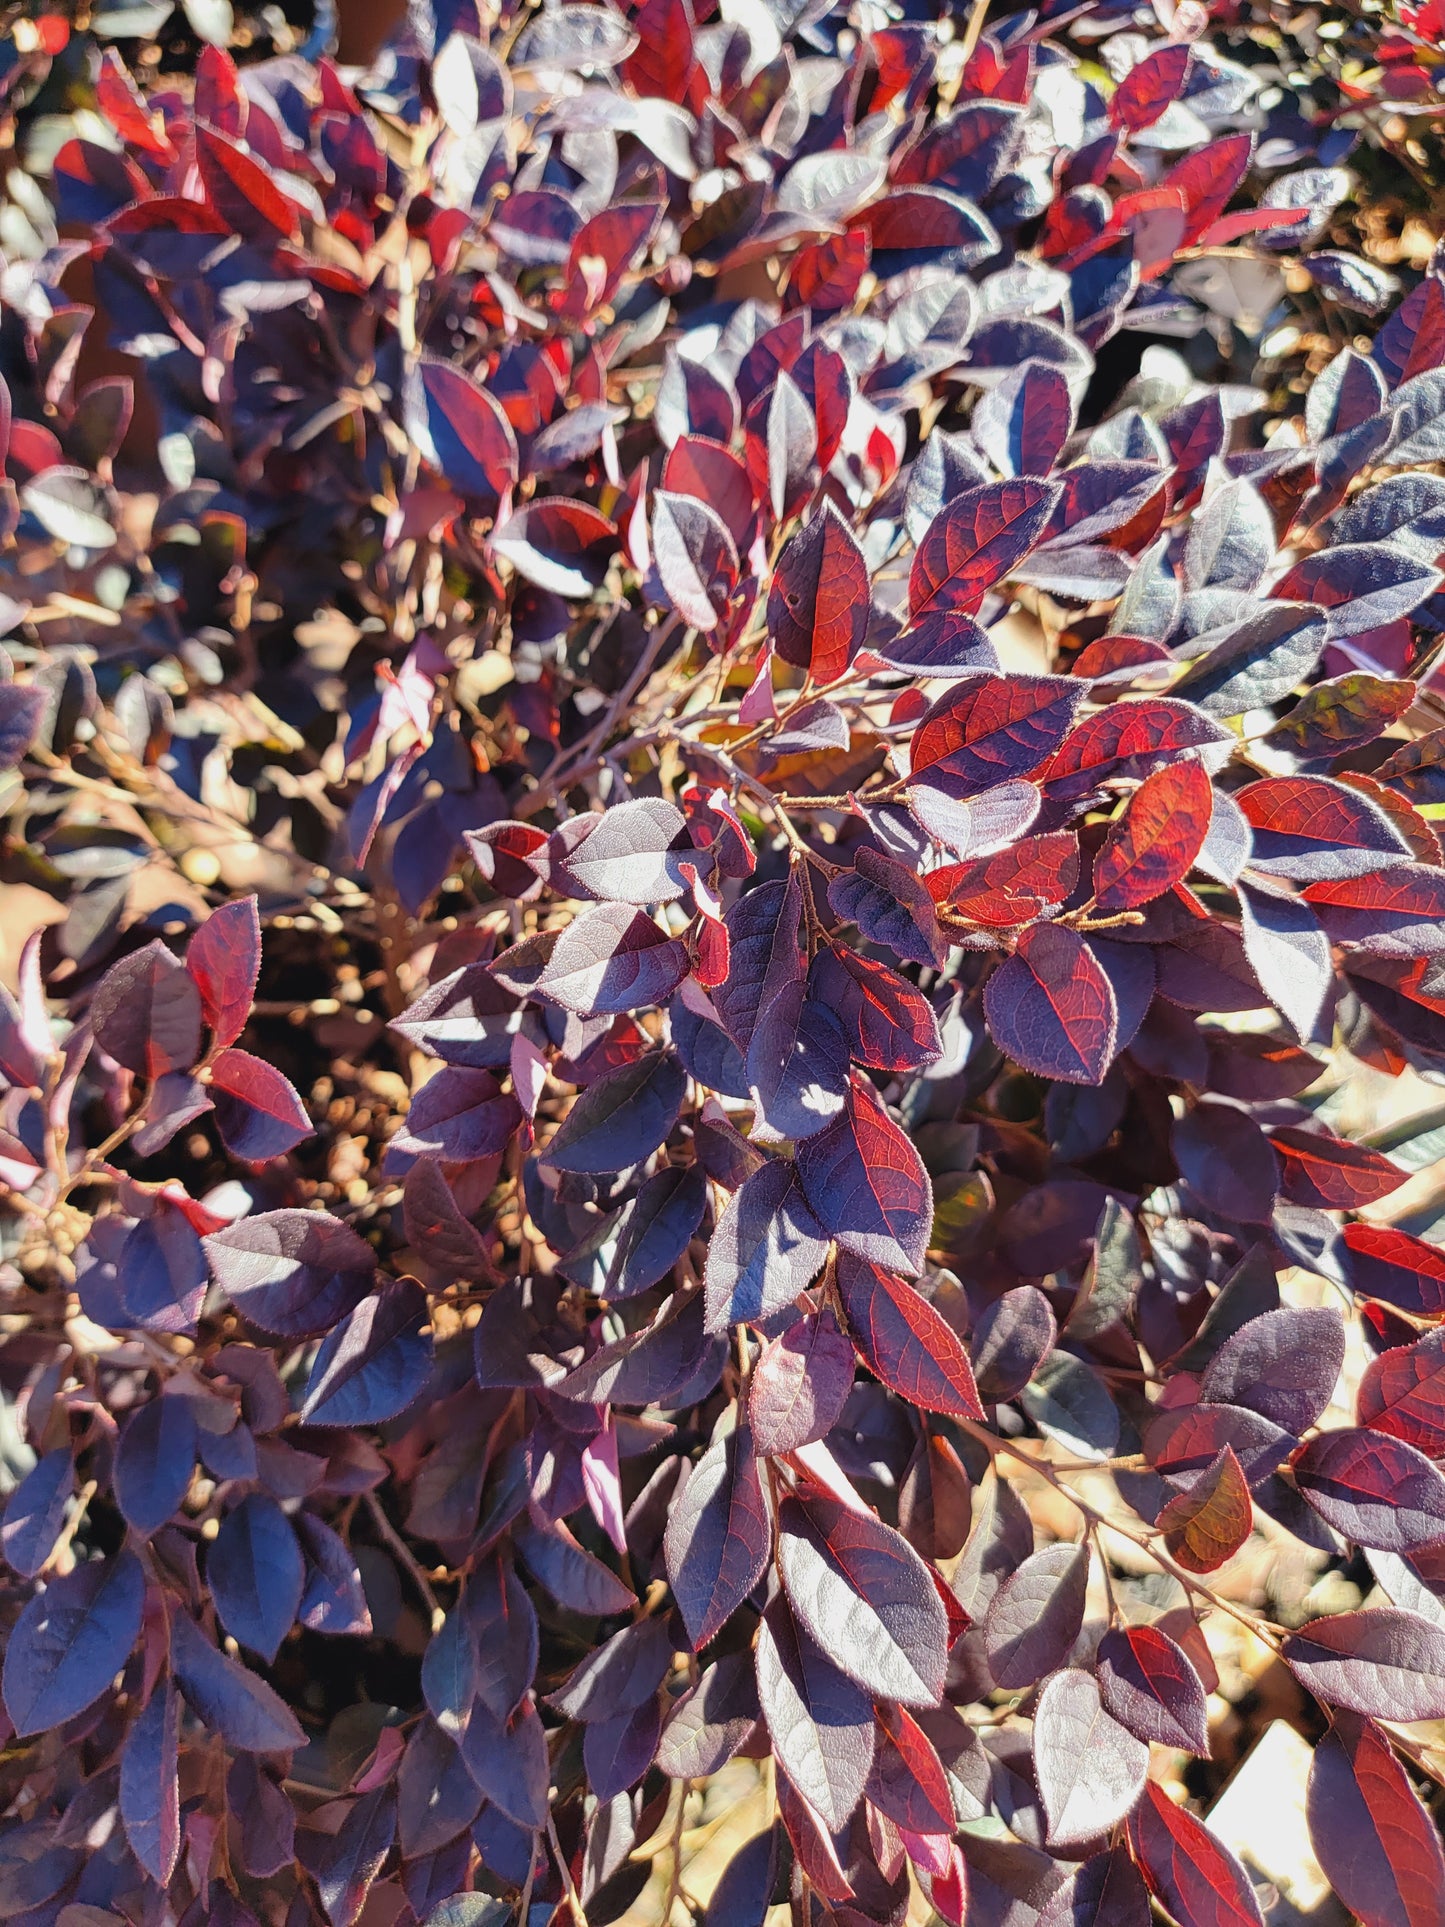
<point x="258" y="1110"/>
<point x="1283" y="1364"/>
<point x="1052" y="1008"/>
<point x="619" y="1120"/>
<point x="1373" y="1487"/>
<point x="612" y="958"/>
<point x="800" y="1385"/>
<point x="767" y="1248"/>
<point x="146" y="1013"/>
<point x="1107" y="1891"/>
<point x="1189" y="1872"/>
<point x="1387" y="1664"/>
<point x="818" y="608"/>
<point x="891" y="906"/>
<point x="696" y="558"/>
<point x="634" y="853"/>
<point x="1379" y="1847"/>
<point x="718" y="1537"/>
<point x="908" y="1781"/>
<point x="1036" y="1615"/>
<point x="1310" y="828"/>
<point x="1148" y="1684"/>
<point x="294" y="1273"/>
<point x="460" y="430"/>
<point x="904" y="1342"/>
<point x="820" y="1723"/>
<point x="241" y="191"/>
<point x="866" y="1184"/>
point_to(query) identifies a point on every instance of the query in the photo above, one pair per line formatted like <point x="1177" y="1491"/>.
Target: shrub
<point x="695" y="848"/>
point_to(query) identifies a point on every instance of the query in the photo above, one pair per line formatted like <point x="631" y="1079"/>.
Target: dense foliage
<point x="705" y="779"/>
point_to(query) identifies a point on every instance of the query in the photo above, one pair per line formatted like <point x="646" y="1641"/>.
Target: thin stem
<point x="574" y="1899"/>
<point x="1144" y="1539"/>
<point x="403" y="1553"/>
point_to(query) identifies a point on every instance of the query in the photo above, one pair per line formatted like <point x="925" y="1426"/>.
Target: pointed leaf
<point x="718" y="1537"/>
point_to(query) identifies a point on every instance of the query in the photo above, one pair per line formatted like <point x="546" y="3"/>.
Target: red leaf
<point x="1051" y="1007"/>
<point x="1378" y="1846"/>
<point x="904" y="1342"/>
<point x="242" y="192"/>
<point x="602" y="251"/>
<point x="866" y="1183"/>
<point x="1127" y="740"/>
<point x="1308" y="827"/>
<point x="661" y="64"/>
<point x="558" y="544"/>
<point x="1149" y="87"/>
<point x="890" y="1026"/>
<point x="992" y="728"/>
<point x="825" y="275"/>
<point x="1207" y="1525"/>
<point x="976" y="540"/>
<point x="1091" y="1770"/>
<point x="908" y="1782"/>
<point x="1402" y="1392"/>
<point x="258" y="1111"/>
<point x="818" y="608"/>
<point x="224" y="959"/>
<point x="1012" y="887"/>
<point x="1392" y="913"/>
<point x="1153" y="845"/>
<point x="123" y="105"/>
<point x="1396" y="1268"/>
<point x="1208" y="178"/>
<point x="1149" y="1685"/>
<point x="1189" y="1872"/>
<point x="1330" y="1173"/>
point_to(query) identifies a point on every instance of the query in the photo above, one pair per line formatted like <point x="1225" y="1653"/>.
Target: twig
<point x="409" y="1565"/>
<point x="1145" y="1540"/>
<point x="574" y="1899"/>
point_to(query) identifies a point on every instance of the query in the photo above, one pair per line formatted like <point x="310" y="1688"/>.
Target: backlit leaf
<point x="1189" y="1872"/>
<point x="1205" y="1525"/>
<point x="1154" y="844"/>
<point x="904" y="1341"/>
<point x="1378" y="1845"/>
